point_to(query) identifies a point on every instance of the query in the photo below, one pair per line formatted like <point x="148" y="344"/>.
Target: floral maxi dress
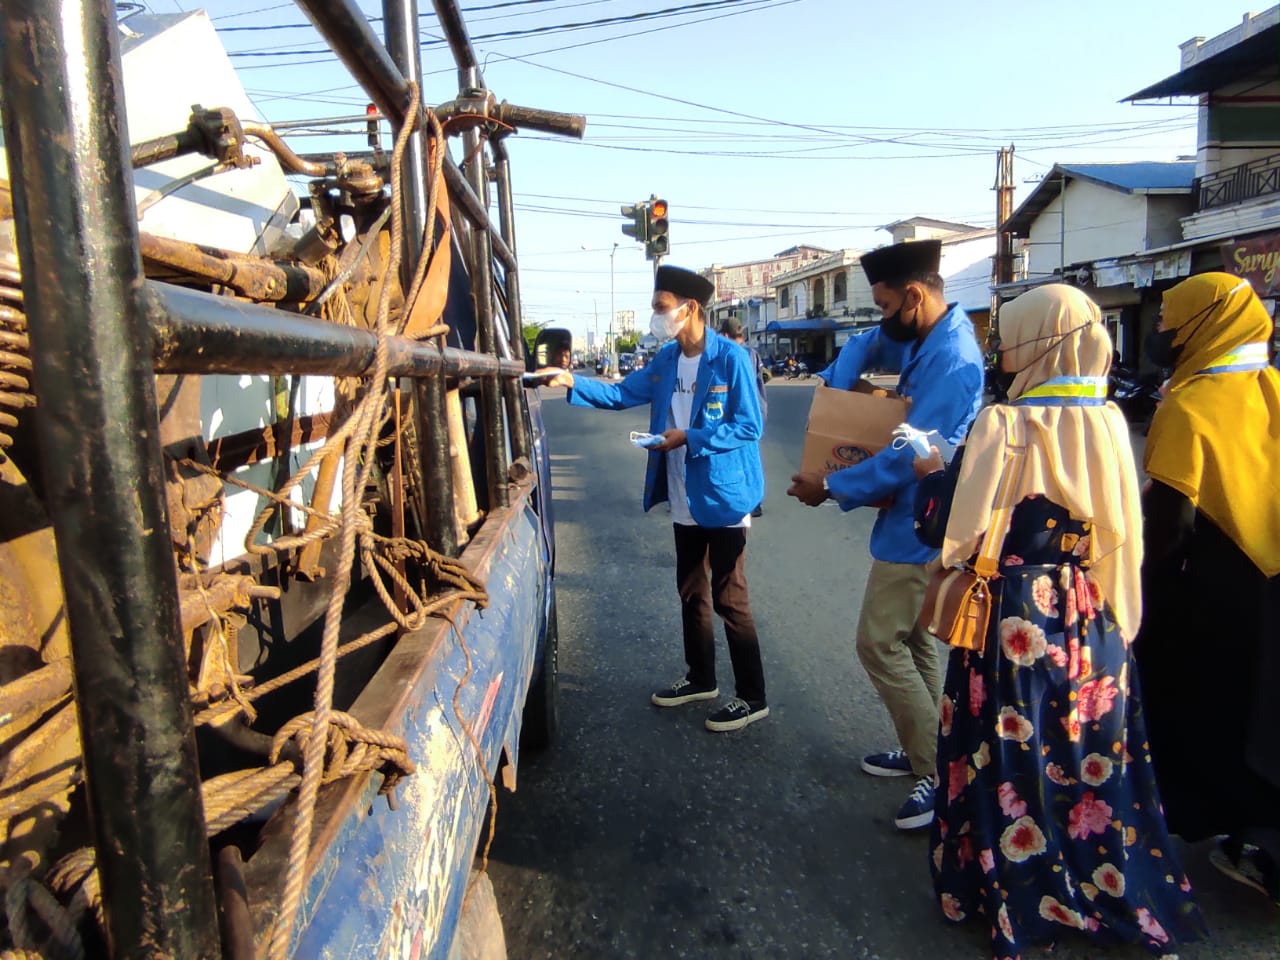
<point x="1048" y="818"/>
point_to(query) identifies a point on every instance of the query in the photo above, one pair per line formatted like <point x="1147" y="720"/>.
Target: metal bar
<point x="455" y="31"/>
<point x="103" y="474"/>
<point x="400" y="20"/>
<point x="346" y="29"/>
<point x="507" y="224"/>
<point x="481" y="112"/>
<point x="251" y="277"/>
<point x="462" y="193"/>
<point x="430" y="403"/>
<point x="163" y="148"/>
<point x="548" y="121"/>
<point x="521" y="444"/>
<point x="436" y="498"/>
<point x="492" y="414"/>
<point x="198" y="333"/>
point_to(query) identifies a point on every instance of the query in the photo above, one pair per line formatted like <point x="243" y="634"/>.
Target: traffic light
<point x="657" y="243"/>
<point x="637" y="229"/>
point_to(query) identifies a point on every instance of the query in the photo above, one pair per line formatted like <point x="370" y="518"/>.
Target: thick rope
<point x="352" y="748"/>
<point x="354" y="476"/>
<point x="233" y="797"/>
<point x="23" y="895"/>
<point x="223" y="712"/>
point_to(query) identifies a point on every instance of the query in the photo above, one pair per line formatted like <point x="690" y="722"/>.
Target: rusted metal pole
<point x="430" y="403"/>
<point x="103" y="475"/>
<point x="521" y="445"/>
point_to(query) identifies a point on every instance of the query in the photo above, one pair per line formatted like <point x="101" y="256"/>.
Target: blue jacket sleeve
<point x="741" y="423"/>
<point x="946" y="405"/>
<point x="863" y="352"/>
<point x="636" y="389"/>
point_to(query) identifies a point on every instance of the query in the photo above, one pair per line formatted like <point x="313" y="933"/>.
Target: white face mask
<point x="664" y="326"/>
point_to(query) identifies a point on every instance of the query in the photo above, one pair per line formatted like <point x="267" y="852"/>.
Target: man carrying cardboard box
<point x="932" y="345"/>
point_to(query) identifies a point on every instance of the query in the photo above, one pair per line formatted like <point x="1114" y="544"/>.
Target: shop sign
<point x="1257" y="260"/>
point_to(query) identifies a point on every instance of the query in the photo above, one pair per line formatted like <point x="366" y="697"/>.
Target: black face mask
<point x="896" y="329"/>
<point x="1159" y="348"/>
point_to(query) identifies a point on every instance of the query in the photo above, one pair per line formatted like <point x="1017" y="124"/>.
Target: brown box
<point x="847" y="426"/>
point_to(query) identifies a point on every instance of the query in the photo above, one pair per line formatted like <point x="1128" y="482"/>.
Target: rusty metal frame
<point x="103" y="474"/>
<point x="99" y="330"/>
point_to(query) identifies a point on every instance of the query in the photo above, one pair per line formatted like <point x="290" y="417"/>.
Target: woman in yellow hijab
<point x="1209" y="651"/>
<point x="1047" y="812"/>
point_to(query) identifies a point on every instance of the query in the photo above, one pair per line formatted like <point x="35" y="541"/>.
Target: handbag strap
<point x="987" y="563"/>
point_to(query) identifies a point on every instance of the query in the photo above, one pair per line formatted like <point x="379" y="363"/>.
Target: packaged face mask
<point x="645" y="440"/>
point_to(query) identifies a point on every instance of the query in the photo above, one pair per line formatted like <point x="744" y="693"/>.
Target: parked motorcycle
<point x="791" y="369"/>
<point x="1137" y="395"/>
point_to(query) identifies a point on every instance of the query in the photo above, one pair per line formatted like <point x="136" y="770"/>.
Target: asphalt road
<point x="643" y="835"/>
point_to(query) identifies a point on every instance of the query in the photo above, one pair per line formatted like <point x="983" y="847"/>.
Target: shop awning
<point x="808" y="325"/>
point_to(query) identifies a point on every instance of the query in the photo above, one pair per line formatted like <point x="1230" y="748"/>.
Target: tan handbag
<point x="958" y="600"/>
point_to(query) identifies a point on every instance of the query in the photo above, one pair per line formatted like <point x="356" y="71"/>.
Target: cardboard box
<point x="847" y="426"/>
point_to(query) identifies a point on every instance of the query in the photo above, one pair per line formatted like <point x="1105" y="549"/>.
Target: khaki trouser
<point x="902" y="661"/>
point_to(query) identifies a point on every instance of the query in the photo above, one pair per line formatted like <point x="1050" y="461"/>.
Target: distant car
<point x="626" y="363"/>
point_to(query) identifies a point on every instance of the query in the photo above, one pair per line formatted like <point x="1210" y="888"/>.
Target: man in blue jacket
<point x="703" y="402"/>
<point x="931" y="344"/>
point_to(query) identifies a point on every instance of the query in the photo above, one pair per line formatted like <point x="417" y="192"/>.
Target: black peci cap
<point x="901" y="261"/>
<point x="683" y="283"/>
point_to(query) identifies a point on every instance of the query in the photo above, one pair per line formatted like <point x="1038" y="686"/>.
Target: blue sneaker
<point x="894" y="763"/>
<point x="917" y="811"/>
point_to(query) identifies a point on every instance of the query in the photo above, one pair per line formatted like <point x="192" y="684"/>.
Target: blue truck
<point x="276" y="531"/>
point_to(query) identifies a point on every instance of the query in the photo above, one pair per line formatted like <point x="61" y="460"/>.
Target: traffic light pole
<point x="613" y="315"/>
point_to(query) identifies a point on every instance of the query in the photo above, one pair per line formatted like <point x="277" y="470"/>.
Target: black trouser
<point x="724" y="551"/>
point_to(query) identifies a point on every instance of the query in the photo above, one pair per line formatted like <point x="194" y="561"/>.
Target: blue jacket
<point x="943" y="377"/>
<point x="723" y="475"/>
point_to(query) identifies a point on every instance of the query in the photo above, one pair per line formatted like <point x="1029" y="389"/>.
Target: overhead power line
<point x="760" y="5"/>
<point x="532" y="31"/>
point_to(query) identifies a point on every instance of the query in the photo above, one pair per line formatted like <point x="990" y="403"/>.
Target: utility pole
<point x="1002" y="266"/>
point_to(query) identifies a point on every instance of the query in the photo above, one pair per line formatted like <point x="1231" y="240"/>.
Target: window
<point x="784" y="299"/>
<point x="840" y="288"/>
<point x="819" y="294"/>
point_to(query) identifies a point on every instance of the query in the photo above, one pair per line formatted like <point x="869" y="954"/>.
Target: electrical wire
<point x="534" y="31"/>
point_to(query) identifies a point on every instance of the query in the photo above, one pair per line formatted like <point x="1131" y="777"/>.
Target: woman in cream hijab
<point x="1048" y="818"/>
<point x="1209" y="653"/>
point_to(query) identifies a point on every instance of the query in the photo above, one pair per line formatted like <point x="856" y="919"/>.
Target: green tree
<point x="530" y="333"/>
<point x="627" y="344"/>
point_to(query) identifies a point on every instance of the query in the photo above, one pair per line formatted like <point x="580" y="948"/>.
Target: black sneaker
<point x="735" y="715"/>
<point x="1248" y="864"/>
<point x="683" y="691"/>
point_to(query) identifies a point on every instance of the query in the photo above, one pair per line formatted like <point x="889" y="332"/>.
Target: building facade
<point x="821" y="304"/>
<point x="1141" y="228"/>
<point x="737" y="285"/>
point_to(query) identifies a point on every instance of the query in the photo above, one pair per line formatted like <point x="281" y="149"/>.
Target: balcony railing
<point x="1257" y="178"/>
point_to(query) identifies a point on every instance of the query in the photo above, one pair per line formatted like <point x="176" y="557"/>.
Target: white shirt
<point x="678" y="418"/>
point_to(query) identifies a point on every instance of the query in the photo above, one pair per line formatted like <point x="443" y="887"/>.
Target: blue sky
<point x="766" y="123"/>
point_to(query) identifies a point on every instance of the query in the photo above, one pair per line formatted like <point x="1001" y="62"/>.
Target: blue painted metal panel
<point x="392" y="883"/>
